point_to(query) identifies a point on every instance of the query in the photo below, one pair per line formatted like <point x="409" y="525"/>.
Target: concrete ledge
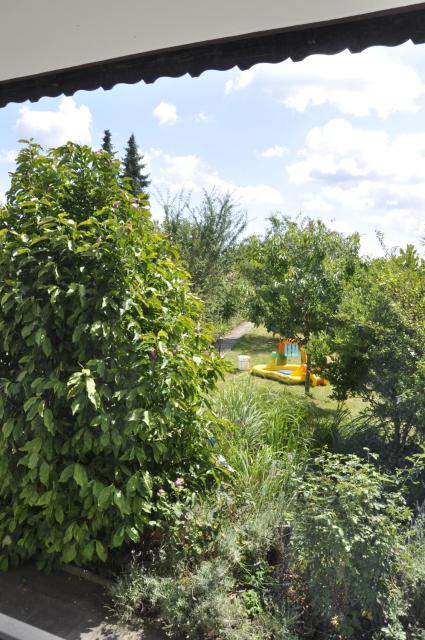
<point x="12" y="629"/>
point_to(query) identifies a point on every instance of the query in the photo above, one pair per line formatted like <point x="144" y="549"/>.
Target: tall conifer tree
<point x="107" y="142"/>
<point x="133" y="168"/>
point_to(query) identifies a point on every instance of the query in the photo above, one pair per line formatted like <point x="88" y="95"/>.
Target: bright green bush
<point x="103" y="367"/>
<point x="347" y="541"/>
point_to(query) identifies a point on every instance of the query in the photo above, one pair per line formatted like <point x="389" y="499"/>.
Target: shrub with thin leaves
<point x="103" y="367"/>
<point x="210" y="578"/>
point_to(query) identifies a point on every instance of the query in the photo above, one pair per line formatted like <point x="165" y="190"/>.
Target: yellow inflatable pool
<point x="286" y="373"/>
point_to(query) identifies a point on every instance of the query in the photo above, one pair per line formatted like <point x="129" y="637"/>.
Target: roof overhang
<point x="50" y="47"/>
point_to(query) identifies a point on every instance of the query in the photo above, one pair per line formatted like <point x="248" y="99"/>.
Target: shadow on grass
<point x="257" y="344"/>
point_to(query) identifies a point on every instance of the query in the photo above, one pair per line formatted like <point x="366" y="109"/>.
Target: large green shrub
<point x="347" y="541"/>
<point x="102" y="363"/>
<point x="378" y="348"/>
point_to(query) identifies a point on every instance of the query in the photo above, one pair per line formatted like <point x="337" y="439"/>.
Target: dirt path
<point x="232" y="337"/>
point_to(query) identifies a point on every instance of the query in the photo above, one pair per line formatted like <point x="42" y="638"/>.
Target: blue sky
<point x="337" y="137"/>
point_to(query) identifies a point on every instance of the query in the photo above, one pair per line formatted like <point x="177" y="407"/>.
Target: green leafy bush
<point x="378" y="348"/>
<point x="103" y="367"/>
<point x="347" y="540"/>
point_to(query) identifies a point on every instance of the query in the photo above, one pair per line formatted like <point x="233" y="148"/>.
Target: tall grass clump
<point x="266" y="441"/>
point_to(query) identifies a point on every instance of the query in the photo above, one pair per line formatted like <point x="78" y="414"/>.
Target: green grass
<point x="259" y="344"/>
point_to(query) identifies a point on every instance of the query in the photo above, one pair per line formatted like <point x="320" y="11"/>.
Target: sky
<point x="337" y="137"/>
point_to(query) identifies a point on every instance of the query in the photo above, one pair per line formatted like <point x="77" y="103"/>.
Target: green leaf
<point x="47" y="347"/>
<point x="69" y="552"/>
<point x="33" y="446"/>
<point x="88" y="440"/>
<point x="39" y="336"/>
<point x="133" y="534"/>
<point x="48" y="420"/>
<point x="101" y="551"/>
<point x="8" y="427"/>
<point x="118" y="537"/>
<point x="105" y="496"/>
<point x="88" y="550"/>
<point x="33" y="460"/>
<point x="59" y="515"/>
<point x="44" y="473"/>
<point x="67" y="473"/>
<point x="27" y="330"/>
<point x="91" y="391"/>
<point x="28" y="403"/>
<point x="78" y="331"/>
<point x="80" y="475"/>
<point x="121" y="502"/>
<point x="75" y="407"/>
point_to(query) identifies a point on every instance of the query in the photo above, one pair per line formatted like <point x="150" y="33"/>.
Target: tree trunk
<point x="308" y="374"/>
<point x="395" y="446"/>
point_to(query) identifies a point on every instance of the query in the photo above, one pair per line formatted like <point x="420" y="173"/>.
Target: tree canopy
<point x="303" y="269"/>
<point x="206" y="236"/>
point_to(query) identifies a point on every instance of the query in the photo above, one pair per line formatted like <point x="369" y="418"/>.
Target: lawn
<point x="258" y="343"/>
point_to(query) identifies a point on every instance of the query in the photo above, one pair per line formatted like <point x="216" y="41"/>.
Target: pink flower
<point x="116" y="204"/>
<point x="179" y="482"/>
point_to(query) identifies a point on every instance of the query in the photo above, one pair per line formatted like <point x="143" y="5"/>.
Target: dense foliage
<point x="379" y="348"/>
<point x="251" y="512"/>
<point x="293" y="545"/>
<point x="207" y="237"/>
<point x="304" y="268"/>
<point x="103" y="366"/>
<point x="346" y="543"/>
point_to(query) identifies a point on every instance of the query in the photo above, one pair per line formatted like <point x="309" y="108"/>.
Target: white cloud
<point x="357" y="84"/>
<point x="166" y="113"/>
<point x="7" y="156"/>
<point x="366" y="173"/>
<point x="188" y="172"/>
<point x="274" y="152"/>
<point x="340" y="153"/>
<point x="53" y="128"/>
<point x="202" y="117"/>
